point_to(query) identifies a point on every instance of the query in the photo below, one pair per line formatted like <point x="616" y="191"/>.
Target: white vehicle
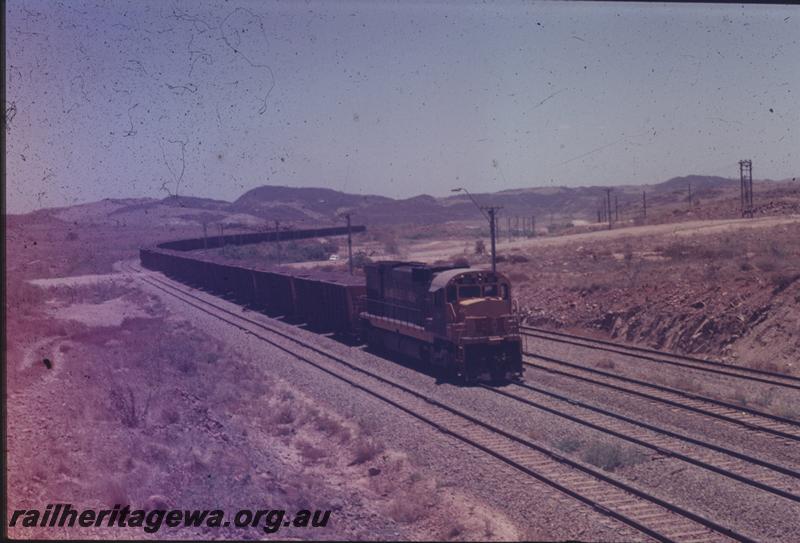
<point x="333" y="258"/>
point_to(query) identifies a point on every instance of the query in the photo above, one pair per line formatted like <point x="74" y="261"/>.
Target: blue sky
<point x="130" y="99"/>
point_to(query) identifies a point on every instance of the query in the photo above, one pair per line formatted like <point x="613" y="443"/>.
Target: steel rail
<point x="734" y="414"/>
<point x="750" y="374"/>
<point x="547" y="457"/>
<point x="608" y="429"/>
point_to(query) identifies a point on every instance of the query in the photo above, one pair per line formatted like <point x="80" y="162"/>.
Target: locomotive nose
<point x="483" y="307"/>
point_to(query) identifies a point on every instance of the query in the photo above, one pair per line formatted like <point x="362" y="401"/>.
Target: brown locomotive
<point x="457" y="319"/>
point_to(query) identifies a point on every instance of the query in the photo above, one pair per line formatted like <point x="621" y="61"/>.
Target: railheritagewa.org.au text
<point x="65" y="515"/>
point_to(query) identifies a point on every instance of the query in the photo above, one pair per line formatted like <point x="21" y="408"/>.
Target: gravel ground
<point x="769" y="447"/>
<point x="780" y="401"/>
<point x="538" y="511"/>
<point x="730" y="503"/>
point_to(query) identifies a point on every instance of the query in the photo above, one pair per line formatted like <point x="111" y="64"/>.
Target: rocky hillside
<point x="729" y="293"/>
<point x="556" y="205"/>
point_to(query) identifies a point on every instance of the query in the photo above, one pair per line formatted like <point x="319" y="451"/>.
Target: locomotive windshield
<point x="476" y="285"/>
<point x="477" y="291"/>
<point x="472" y="291"/>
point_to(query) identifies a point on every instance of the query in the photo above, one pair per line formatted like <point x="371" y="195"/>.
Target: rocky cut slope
<point x="730" y="291"/>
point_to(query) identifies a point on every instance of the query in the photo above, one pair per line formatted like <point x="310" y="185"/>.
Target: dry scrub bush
<point x="186" y="365"/>
<point x="286" y="395"/>
<point x="769" y="365"/>
<point x="365" y="450"/>
<point x="123" y="401"/>
<point x="678" y="251"/>
<point x="611" y="457"/>
<point x="332" y="428"/>
<point x="606" y="364"/>
<point x="170" y="416"/>
<point x="686" y="383"/>
<point x="305" y="414"/>
<point x="407" y="509"/>
<point x="739" y="396"/>
<point x="95" y="293"/>
<point x="764" y="398"/>
<point x="283" y="415"/>
<point x="766" y="265"/>
<point x="783" y="281"/>
<point x="488" y="528"/>
<point x="455" y="530"/>
<point x="568" y="444"/>
<point x="787" y="409"/>
<point x="309" y="452"/>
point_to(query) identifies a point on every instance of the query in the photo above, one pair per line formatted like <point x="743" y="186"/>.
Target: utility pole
<point x="533" y="225"/>
<point x="746" y="178"/>
<point x="278" y="239"/>
<point x="690" y="194"/>
<point x="608" y="207"/>
<point x="616" y="208"/>
<point x="492" y="211"/>
<point x="349" y="244"/>
<point x="644" y="203"/>
<point x="508" y="227"/>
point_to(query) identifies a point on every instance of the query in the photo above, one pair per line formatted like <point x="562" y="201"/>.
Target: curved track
<point x="637" y="508"/>
<point x="672" y="359"/>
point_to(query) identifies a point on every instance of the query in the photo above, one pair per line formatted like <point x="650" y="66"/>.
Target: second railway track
<point x="661" y="357"/>
<point x="787" y="430"/>
<point x="766" y="476"/>
<point x="651" y="515"/>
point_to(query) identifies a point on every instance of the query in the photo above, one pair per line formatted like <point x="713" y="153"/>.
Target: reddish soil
<point x="99" y="417"/>
<point x="730" y="293"/>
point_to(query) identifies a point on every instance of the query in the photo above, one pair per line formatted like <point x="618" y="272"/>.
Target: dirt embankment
<point x="115" y="400"/>
<point x="731" y="293"/>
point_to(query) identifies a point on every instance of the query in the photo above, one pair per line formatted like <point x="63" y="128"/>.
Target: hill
<point x="312" y="205"/>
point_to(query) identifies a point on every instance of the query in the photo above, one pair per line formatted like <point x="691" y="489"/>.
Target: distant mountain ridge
<point x="312" y="205"/>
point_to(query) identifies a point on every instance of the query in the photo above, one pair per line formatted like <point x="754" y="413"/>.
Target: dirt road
<point x="430" y="251"/>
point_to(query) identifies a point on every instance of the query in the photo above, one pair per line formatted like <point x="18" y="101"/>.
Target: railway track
<point x="786" y="430"/>
<point x="763" y="475"/>
<point x="639" y="509"/>
<point x="662" y="357"/>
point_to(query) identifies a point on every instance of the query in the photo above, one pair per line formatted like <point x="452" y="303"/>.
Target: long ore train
<point x="457" y="319"/>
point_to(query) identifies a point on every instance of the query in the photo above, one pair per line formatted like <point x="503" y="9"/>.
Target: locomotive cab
<point x="473" y="309"/>
<point x="457" y="319"/>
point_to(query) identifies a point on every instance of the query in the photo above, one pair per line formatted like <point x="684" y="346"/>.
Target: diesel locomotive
<point x="457" y="319"/>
